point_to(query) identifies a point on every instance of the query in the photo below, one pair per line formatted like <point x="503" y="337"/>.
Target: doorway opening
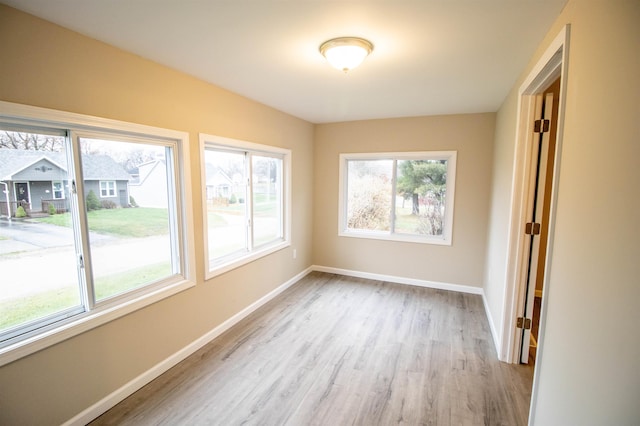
<point x="524" y="313"/>
<point x="537" y="225"/>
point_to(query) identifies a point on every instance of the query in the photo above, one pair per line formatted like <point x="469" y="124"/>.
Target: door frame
<point x="551" y="65"/>
<point x="15" y="190"/>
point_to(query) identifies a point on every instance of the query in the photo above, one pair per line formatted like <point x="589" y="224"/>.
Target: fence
<point x="60" y="205"/>
<point x="10" y="209"/>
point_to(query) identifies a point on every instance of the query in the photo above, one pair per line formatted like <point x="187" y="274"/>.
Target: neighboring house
<point x="220" y="185"/>
<point x="37" y="177"/>
<point x="145" y="186"/>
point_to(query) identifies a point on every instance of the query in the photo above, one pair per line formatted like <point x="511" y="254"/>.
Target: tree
<point x="31" y="141"/>
<point x="422" y="178"/>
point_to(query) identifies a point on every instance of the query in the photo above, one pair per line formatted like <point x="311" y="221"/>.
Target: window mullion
<point x="249" y="201"/>
<point x="80" y="225"/>
<point x="175" y="237"/>
<point x="394" y="181"/>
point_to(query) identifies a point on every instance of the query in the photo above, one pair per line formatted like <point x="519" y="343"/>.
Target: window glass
<point x="398" y="196"/>
<point x="130" y="246"/>
<point x="369" y="193"/>
<point x="58" y="191"/>
<point x="107" y="188"/>
<point x="38" y="258"/>
<point x="226" y="203"/>
<point x="420" y="203"/>
<point x="267" y="199"/>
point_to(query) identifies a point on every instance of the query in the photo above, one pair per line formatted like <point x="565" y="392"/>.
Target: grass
<point x="215" y="220"/>
<point x="407" y="223"/>
<point x="133" y="222"/>
<point x="114" y="284"/>
<point x="33" y="306"/>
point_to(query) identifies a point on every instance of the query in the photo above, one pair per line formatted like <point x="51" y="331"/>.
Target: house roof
<point x="144" y="170"/>
<point x="95" y="167"/>
<point x="216" y="176"/>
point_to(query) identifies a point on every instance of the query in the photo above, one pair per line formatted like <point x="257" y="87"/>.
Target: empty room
<point x="319" y="213"/>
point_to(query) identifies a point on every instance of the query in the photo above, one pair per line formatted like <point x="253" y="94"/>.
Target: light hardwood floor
<point x="335" y="350"/>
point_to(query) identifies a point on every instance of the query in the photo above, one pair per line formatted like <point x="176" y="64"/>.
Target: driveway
<point x="41" y="257"/>
<point x="24" y="235"/>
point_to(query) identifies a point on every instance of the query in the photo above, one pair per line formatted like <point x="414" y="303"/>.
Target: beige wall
<point x="587" y="372"/>
<point x="51" y="67"/>
<point x="587" y="368"/>
<point x="497" y="233"/>
<point x="461" y="263"/>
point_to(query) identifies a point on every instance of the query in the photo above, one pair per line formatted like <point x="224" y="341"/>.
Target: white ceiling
<point x="430" y="57"/>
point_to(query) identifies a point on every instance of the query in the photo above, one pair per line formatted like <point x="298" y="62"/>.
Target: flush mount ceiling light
<point x="346" y="53"/>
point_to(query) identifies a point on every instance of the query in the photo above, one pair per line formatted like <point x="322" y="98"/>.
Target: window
<point x="246" y="201"/>
<point x="107" y="188"/>
<point x="398" y="196"/>
<point x="102" y="258"/>
<point x="58" y="191"/>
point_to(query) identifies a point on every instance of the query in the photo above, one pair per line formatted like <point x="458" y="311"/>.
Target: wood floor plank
<point x="336" y="350"/>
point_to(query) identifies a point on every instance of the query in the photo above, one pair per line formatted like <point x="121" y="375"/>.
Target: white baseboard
<point x="399" y="280"/>
<point x="492" y="326"/>
<point x="129" y="388"/>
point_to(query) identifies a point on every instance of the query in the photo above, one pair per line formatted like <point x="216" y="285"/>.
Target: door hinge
<point x="541" y="126"/>
<point x="523" y="323"/>
<point x="532" y="228"/>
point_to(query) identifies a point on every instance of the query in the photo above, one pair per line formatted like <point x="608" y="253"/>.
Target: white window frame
<point x="109" y="188"/>
<point x="447" y="232"/>
<point x="53" y="189"/>
<point x="102" y="313"/>
<point x="219" y="142"/>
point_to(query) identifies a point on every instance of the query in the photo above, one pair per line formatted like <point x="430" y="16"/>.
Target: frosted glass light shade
<point x="346" y="53"/>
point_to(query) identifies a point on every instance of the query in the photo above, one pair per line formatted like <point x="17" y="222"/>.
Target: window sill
<point x="84" y="322"/>
<point x="442" y="241"/>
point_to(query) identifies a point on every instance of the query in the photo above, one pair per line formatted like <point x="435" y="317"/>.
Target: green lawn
<point x="33" y="306"/>
<point x="133" y="222"/>
<point x="117" y="283"/>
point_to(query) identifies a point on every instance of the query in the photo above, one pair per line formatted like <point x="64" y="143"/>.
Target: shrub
<point x="132" y="201"/>
<point x="21" y="212"/>
<point x="233" y="199"/>
<point x="92" y="201"/>
<point x="369" y="203"/>
<point x="52" y="209"/>
<point x="108" y="204"/>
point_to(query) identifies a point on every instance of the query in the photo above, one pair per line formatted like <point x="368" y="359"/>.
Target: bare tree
<point x="132" y="159"/>
<point x="31" y="141"/>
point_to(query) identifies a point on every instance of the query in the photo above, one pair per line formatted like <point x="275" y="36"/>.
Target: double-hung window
<point x="58" y="191"/>
<point x="101" y="258"/>
<point x="398" y="196"/>
<point x="107" y="188"/>
<point x="245" y="201"/>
